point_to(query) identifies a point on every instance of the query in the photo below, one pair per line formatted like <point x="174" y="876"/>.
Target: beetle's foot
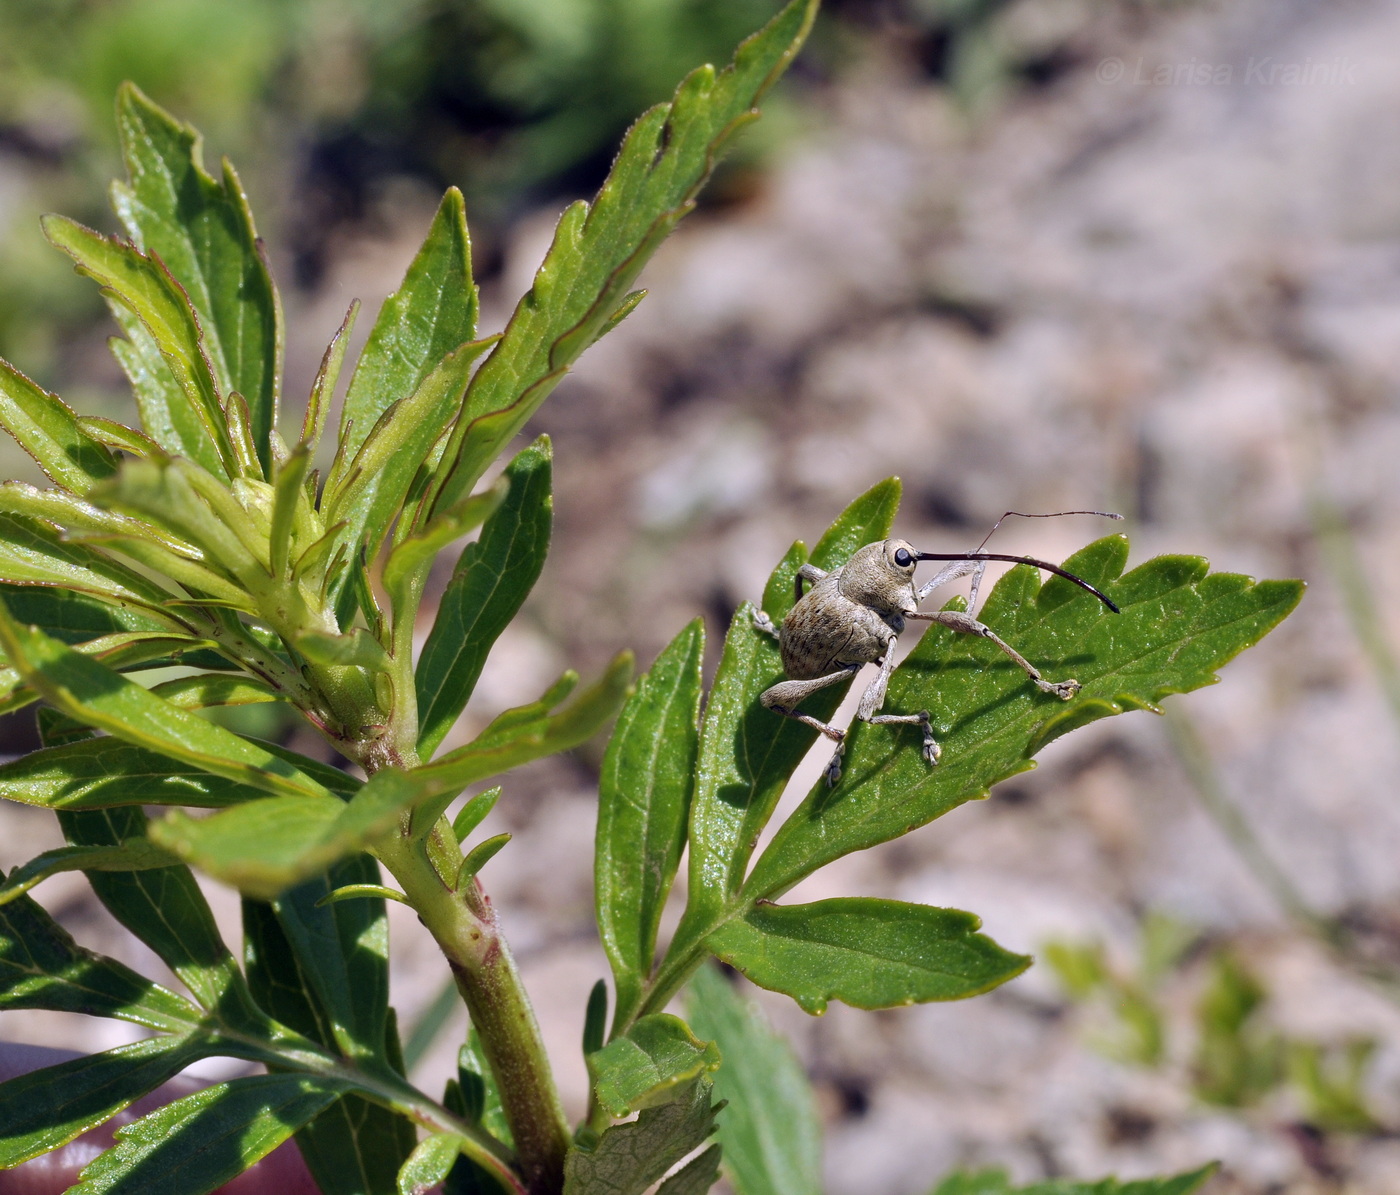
<point x="931" y="749"/>
<point x="833" y="769"/>
<point x="761" y="622"/>
<point x="1063" y="689"/>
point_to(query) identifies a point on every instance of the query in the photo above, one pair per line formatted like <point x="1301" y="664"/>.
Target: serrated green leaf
<point x="597" y="253"/>
<point x="135" y="854"/>
<point x="49" y="431"/>
<point x="106" y="772"/>
<point x="165" y="410"/>
<point x="747" y="753"/>
<point x="165" y="909"/>
<point x="367" y="494"/>
<point x="193" y="1145"/>
<point x="643" y="804"/>
<point x="532" y="732"/>
<point x="432" y="313"/>
<point x="1177" y="626"/>
<point x="868" y="953"/>
<point x="627" y="1158"/>
<point x="85" y="690"/>
<point x="429" y="1164"/>
<point x="696" y="1176"/>
<point x="770" y="1129"/>
<point x="151" y="293"/>
<point x="42" y="967"/>
<point x="203" y="232"/>
<point x="997" y="1182"/>
<point x="491" y="580"/>
<point x="46" y="1108"/>
<point x="645" y="1065"/>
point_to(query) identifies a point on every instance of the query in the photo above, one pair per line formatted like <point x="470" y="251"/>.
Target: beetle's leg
<point x="949" y="572"/>
<point x="967" y="625"/>
<point x="808" y="572"/>
<point x="977" y="574"/>
<point x="874" y="698"/>
<point x="761" y="622"/>
<point x="783" y="698"/>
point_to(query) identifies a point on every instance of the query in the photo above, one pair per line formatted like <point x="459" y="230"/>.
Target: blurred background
<point x="1140" y="255"/>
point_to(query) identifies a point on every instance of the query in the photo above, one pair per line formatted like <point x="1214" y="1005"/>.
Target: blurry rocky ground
<point x="1158" y="273"/>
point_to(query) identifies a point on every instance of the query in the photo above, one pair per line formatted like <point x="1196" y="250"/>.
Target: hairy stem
<point x="465" y="928"/>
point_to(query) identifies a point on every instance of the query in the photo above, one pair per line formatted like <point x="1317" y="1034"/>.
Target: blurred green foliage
<point x="320" y="101"/>
<point x="1235" y="1058"/>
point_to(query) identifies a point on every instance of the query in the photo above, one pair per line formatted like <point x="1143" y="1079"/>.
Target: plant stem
<point x="465" y="928"/>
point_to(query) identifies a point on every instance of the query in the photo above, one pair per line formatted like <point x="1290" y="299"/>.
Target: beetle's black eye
<point x="902" y="558"/>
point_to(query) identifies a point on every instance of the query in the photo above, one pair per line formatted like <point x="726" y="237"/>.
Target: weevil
<point x="852" y="615"/>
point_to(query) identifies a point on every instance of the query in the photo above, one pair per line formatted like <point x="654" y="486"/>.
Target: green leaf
<point x="643" y="803"/>
<point x="1178" y="625"/>
<point x="50" y="432"/>
<point x="429" y="1164"/>
<point x="324" y="972"/>
<point x="747" y="752"/>
<point x="33" y="553"/>
<point x="343" y="950"/>
<point x="532" y="732"/>
<point x="203" y="231"/>
<point x="127" y="650"/>
<point x="770" y="1129"/>
<point x="644" y="1067"/>
<point x="696" y="1176"/>
<point x="474" y="812"/>
<point x="367" y="495"/>
<point x="151" y="293"/>
<point x="262" y="847"/>
<point x="165" y="909"/>
<point x="166" y="413"/>
<point x="996" y="1182"/>
<point x="598" y="252"/>
<point x="105" y="772"/>
<point x="869" y="953"/>
<point x="42" y="967"/>
<point x="418" y="550"/>
<point x="85" y="690"/>
<point x="490" y="582"/>
<point x="479" y="856"/>
<point x="205" y="690"/>
<point x="47" y="1108"/>
<point x="135" y="854"/>
<point x="86" y="522"/>
<point x="74" y="617"/>
<point x="431" y="314"/>
<point x="627" y="1158"/>
<point x="193" y="1145"/>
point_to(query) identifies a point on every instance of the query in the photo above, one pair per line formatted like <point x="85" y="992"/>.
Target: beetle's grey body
<point x="852" y="616"/>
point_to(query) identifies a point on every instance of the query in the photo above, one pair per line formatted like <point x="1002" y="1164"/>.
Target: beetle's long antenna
<point x="1055" y="514"/>
<point x="1031" y="560"/>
